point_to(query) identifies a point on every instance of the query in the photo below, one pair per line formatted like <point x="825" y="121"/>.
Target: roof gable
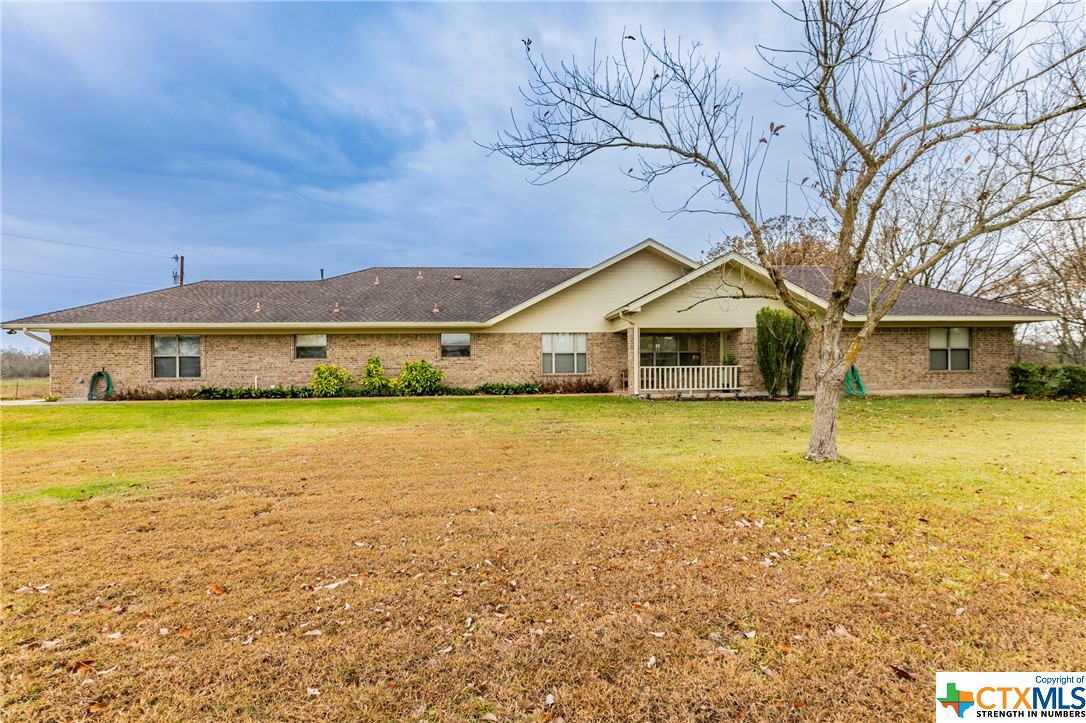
<point x="814" y="284"/>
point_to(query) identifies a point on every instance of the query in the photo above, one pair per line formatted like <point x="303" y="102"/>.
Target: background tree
<point x="1053" y="277"/>
<point x="791" y="241"/>
<point x="921" y="141"/>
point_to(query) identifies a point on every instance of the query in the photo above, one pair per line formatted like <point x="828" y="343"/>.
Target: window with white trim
<point x="176" y="357"/>
<point x="310" y="346"/>
<point x="565" y="353"/>
<point x="948" y="349"/>
<point x="455" y="346"/>
<point x="668" y="350"/>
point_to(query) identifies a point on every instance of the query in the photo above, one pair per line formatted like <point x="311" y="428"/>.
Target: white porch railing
<point x="700" y="378"/>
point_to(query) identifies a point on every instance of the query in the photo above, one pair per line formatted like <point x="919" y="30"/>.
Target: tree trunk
<point x="828" y="378"/>
<point x="823" y="447"/>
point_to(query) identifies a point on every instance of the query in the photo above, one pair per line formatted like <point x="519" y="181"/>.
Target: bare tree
<point x="964" y="126"/>
<point x="1054" y="279"/>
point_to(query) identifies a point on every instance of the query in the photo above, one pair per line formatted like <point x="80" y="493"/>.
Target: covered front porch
<point x="676" y="362"/>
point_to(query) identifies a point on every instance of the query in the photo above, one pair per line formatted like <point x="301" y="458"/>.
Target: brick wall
<point x="234" y="360"/>
<point x="895" y="360"/>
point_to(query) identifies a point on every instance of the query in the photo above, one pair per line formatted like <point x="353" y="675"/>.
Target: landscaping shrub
<point x="780" y="346"/>
<point x="418" y="379"/>
<point x="150" y="395"/>
<point x="329" y="380"/>
<point x="1066" y="381"/>
<point x="729" y="360"/>
<point x="500" y="389"/>
<point x="575" y="385"/>
<point x="375" y="383"/>
<point x="445" y="391"/>
<point x="254" y="393"/>
<point x="1026" y="379"/>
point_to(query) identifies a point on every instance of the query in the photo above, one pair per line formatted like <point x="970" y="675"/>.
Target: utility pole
<point x="179" y="274"/>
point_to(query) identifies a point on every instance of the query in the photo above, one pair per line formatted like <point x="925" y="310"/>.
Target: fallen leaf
<point x="750" y="633"/>
<point x="656" y="635"/>
<point x="550" y="699"/>
<point x="82" y="666"/>
<point x="114" y="636"/>
<point x="185" y="633"/>
<point x="841" y="632"/>
<point x="216" y="589"/>
<point x="97" y="707"/>
<point x="902" y="673"/>
<point x="639" y="607"/>
<point x="108" y="670"/>
<point x="313" y="691"/>
<point x="785" y="648"/>
<point x="798" y="704"/>
<point x="143" y="621"/>
<point x="445" y="650"/>
<point x="312" y="632"/>
<point x="489" y="716"/>
<point x="651" y="663"/>
<point x="163" y="631"/>
<point x="767" y="671"/>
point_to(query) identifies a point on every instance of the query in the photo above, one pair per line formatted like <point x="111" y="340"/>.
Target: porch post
<point x="636" y="362"/>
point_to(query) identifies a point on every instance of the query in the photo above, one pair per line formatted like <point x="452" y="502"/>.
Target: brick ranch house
<point x="648" y="319"/>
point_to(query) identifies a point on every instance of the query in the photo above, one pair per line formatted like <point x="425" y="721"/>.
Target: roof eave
<point x="223" y="326"/>
<point x="964" y="318"/>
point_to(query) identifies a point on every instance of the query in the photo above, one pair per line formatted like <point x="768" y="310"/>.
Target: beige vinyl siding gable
<point x="694" y="306"/>
<point x="583" y="306"/>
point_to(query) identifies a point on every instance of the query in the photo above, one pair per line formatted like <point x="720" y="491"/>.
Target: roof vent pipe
<point x="419" y="277"/>
<point x="322" y="274"/>
<point x="436" y="310"/>
<point x="457" y="277"/>
<point x="376" y="280"/>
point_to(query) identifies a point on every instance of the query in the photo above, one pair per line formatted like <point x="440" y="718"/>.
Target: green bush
<point x="375" y="383"/>
<point x="253" y="393"/>
<point x="329" y="380"/>
<point x="418" y="379"/>
<point x="780" y="345"/>
<point x="1026" y="379"/>
<point x="1066" y="381"/>
<point x="729" y="360"/>
<point x="500" y="389"/>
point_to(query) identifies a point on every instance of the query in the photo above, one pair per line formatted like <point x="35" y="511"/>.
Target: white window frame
<point x="949" y="346"/>
<point x="564" y="344"/>
<point x="446" y="341"/>
<point x="310" y="337"/>
<point x="177" y="356"/>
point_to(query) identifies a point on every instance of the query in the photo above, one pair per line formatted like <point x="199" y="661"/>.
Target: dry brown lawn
<point x="34" y="388"/>
<point x="589" y="559"/>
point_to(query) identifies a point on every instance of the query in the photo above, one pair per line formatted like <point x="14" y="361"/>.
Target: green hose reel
<point x="95" y="378"/>
<point x="854" y="385"/>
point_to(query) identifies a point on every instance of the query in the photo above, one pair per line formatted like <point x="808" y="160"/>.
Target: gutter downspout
<point x="635" y="372"/>
<point x="35" y="337"/>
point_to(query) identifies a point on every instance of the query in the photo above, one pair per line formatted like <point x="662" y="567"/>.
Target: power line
<point x="86" y="246"/>
<point x="88" y="278"/>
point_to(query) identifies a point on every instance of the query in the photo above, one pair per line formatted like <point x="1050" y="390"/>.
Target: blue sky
<point x="269" y="140"/>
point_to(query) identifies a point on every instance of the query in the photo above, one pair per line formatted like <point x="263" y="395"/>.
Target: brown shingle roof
<point x="914" y="300"/>
<point x="478" y="295"/>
